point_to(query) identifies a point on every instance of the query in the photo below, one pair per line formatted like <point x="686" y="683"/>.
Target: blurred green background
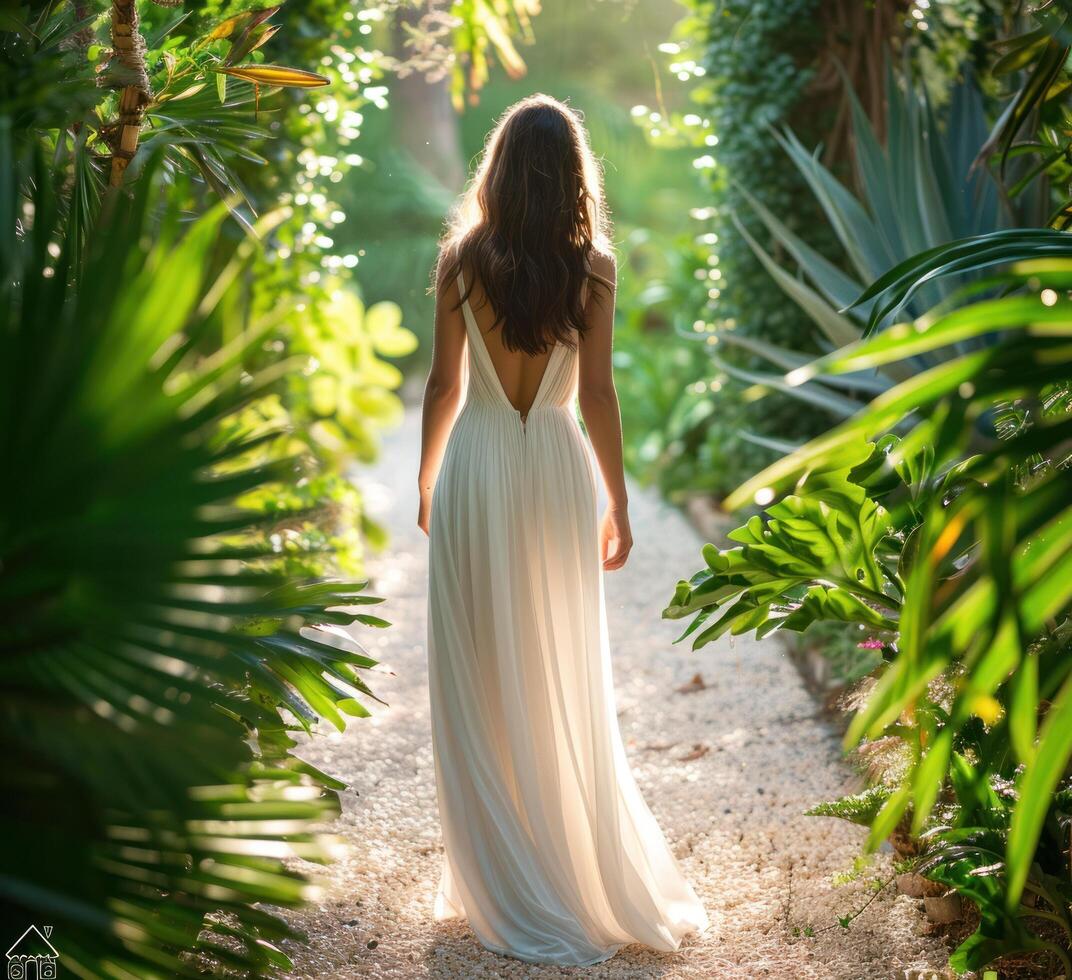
<point x="602" y="58"/>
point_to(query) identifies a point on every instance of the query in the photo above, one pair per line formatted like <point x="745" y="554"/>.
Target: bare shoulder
<point x="604" y="270"/>
<point x="603" y="264"/>
<point x="446" y="262"/>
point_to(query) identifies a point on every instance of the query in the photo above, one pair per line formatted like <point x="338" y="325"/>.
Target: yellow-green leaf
<point x="389" y="337"/>
<point x="276" y="75"/>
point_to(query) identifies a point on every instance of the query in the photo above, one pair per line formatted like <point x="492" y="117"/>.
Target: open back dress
<point x="550" y="851"/>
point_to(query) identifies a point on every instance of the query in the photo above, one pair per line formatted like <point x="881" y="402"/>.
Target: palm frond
<point x="155" y="661"/>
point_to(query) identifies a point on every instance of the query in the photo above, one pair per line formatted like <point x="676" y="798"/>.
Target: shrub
<point x="954" y="541"/>
<point x="156" y="659"/>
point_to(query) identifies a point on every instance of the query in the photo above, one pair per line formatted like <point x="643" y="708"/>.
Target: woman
<point x="551" y="853"/>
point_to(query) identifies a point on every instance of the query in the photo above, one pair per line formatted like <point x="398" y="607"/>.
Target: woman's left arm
<point x="443" y="390"/>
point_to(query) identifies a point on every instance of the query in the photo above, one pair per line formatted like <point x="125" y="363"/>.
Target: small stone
<point x="943" y="909"/>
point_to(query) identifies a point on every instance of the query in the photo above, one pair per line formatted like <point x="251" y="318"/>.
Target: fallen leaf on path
<point x="696" y="684"/>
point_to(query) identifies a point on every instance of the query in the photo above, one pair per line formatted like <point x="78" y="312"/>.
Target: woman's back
<point x="520" y="375"/>
<point x="544" y="386"/>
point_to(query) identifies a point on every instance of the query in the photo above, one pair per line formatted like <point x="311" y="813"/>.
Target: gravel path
<point x="727" y="769"/>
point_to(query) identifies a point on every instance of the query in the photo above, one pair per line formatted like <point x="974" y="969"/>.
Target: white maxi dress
<point x="550" y="851"/>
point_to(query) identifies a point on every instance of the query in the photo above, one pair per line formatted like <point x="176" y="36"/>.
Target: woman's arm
<point x="443" y="390"/>
<point x="599" y="408"/>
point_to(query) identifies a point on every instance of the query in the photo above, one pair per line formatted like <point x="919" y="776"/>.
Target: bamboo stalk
<point x="128" y="48"/>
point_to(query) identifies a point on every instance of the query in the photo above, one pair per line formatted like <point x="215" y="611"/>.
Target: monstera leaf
<point x="816" y="556"/>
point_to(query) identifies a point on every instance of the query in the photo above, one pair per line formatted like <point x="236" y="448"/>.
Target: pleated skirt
<point x="550" y="852"/>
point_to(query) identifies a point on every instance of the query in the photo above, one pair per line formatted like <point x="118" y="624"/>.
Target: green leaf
<point x="837" y="328"/>
<point x="888" y="817"/>
<point x="1037" y="786"/>
<point x="276" y="75"/>
<point x="813" y="559"/>
<point x="839" y="289"/>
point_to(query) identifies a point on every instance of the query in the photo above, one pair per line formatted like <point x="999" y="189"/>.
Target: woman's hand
<point x="615" y="537"/>
<point x="424" y="511"/>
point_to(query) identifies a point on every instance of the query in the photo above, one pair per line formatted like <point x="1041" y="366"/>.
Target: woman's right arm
<point x="443" y="390"/>
<point x="598" y="400"/>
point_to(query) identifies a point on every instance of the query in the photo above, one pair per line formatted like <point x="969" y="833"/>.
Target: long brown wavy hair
<point x="527" y="223"/>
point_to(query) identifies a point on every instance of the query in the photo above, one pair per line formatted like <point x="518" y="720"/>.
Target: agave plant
<point x="957" y="553"/>
<point x="919" y="192"/>
<point x="155" y="662"/>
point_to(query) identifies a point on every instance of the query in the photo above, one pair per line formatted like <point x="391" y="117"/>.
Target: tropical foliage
<point x="749" y="66"/>
<point x="887" y="175"/>
<point x="920" y="191"/>
<point x="952" y="545"/>
<point x="933" y="524"/>
<point x="156" y="659"/>
<point x="1036" y="61"/>
<point x="661" y="380"/>
<point x="234" y="136"/>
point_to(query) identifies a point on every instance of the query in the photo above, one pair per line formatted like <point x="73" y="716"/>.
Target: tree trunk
<point x="424" y="120"/>
<point x="862" y="39"/>
<point x="128" y="49"/>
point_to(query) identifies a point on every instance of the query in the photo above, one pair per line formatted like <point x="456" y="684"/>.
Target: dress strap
<point x="461" y="288"/>
<point x="467" y="310"/>
<point x="588" y="271"/>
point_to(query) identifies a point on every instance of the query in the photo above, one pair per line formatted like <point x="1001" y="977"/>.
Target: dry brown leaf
<point x="696" y="684"/>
